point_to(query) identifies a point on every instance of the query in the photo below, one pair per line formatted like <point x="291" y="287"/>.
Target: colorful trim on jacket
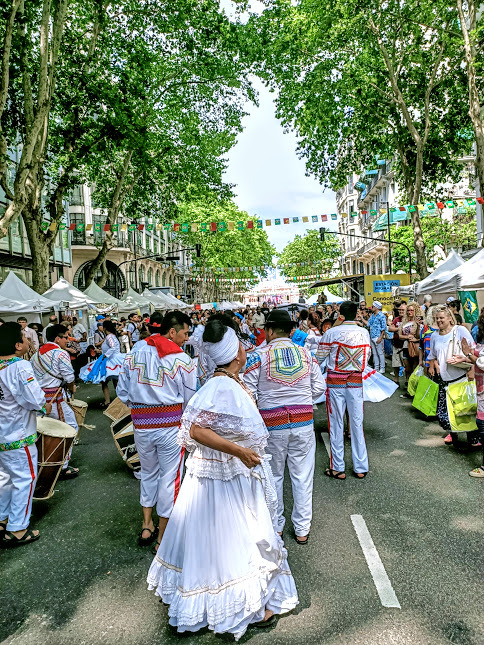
<point x="151" y="417"/>
<point x="21" y="443"/>
<point x="288" y="417"/>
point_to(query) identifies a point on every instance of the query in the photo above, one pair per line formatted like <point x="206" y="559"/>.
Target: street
<point x="84" y="581"/>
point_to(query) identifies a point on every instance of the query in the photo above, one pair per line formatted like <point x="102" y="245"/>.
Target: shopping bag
<point x="463" y="398"/>
<point x="413" y="380"/>
<point x="426" y="395"/>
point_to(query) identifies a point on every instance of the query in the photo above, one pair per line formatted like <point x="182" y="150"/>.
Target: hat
<point x="450" y="299"/>
<point x="279" y="318"/>
<point x="100" y="317"/>
<point x="239" y="316"/>
<point x="377" y="304"/>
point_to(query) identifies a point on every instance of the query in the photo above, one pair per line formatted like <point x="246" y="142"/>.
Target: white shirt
<point x="78" y="331"/>
<point x="346" y="348"/>
<point x="20" y="398"/>
<point x="150" y="380"/>
<point x="52" y="365"/>
<point x="31" y="334"/>
<point x="439" y="346"/>
<point x="282" y="373"/>
<point x="258" y="320"/>
<point x="132" y="327"/>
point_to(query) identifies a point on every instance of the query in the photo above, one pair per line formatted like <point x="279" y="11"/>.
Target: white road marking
<point x="325" y="438"/>
<point x="382" y="582"/>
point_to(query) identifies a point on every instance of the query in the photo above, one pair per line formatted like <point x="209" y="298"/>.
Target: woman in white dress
<point x="221" y="564"/>
<point x="108" y="366"/>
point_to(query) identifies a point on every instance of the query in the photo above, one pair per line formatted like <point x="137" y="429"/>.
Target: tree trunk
<point x="40" y="253"/>
<point x="468" y="25"/>
<point x="418" y="241"/>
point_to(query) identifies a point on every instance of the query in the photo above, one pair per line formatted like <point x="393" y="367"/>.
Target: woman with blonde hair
<point x="428" y="329"/>
<point x="409" y="332"/>
<point x="443" y="367"/>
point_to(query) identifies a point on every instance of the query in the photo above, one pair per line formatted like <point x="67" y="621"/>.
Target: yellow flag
<point x="268" y="222"/>
<point x="53" y="226"/>
<point x="124" y="227"/>
<point x="305" y="219"/>
<point x="194" y="227"/>
<point x="231" y="226"/>
<point x="420" y="207"/>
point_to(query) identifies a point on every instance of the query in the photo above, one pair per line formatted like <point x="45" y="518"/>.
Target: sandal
<point x="3" y="529"/>
<point x="359" y="475"/>
<point x="13" y="540"/>
<point x="477" y="472"/>
<point x="335" y="474"/>
<point x="262" y="624"/>
<point x="302" y="542"/>
<point x="147" y="541"/>
<point x="69" y="473"/>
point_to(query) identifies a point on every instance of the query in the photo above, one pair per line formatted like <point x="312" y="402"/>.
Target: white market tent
<point x="471" y="273"/>
<point x="10" y="309"/>
<point x="133" y="301"/>
<point x="157" y="299"/>
<point x="440" y="277"/>
<point x="63" y="291"/>
<point x="100" y="296"/>
<point x="225" y="305"/>
<point x="15" y="289"/>
<point x="175" y="303"/>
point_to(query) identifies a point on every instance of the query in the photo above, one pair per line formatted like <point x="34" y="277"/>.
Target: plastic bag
<point x="463" y="398"/>
<point x="413" y="380"/>
<point x="462" y="406"/>
<point x="426" y="395"/>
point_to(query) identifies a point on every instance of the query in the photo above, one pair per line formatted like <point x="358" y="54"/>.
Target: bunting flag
<point x="431" y="207"/>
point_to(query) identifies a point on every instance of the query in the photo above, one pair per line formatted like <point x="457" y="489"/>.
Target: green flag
<point x="469" y="305"/>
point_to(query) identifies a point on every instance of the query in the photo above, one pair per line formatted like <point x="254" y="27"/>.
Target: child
<point x="20" y="398"/>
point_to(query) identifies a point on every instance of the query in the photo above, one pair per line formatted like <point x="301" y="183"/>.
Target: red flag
<point x="440" y="205"/>
<point x="176" y="227"/>
<point x="480" y="200"/>
<point x="141" y="227"/>
<point x="72" y="227"/>
<point x="107" y="227"/>
<point x="324" y="218"/>
<point x="250" y="224"/>
<point x="213" y="226"/>
<point x="402" y="208"/>
<point x="364" y="212"/>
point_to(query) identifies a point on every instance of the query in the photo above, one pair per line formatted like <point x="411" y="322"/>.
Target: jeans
<point x="378" y="355"/>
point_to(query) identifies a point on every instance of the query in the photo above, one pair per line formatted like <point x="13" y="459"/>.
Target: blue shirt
<point x="376" y="324"/>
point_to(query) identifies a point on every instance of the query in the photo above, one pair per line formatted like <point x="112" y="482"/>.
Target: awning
<point x="340" y="278"/>
<point x="382" y="222"/>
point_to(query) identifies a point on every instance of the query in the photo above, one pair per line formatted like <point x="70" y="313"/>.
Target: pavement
<point x="84" y="581"/>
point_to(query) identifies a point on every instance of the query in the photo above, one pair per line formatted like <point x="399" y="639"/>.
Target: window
<point x="354" y="267"/>
<point x="76" y="198"/>
<point x="78" y="237"/>
<point x="362" y="267"/>
<point x="141" y="274"/>
<point x="157" y="278"/>
<point x="351" y="189"/>
<point x="163" y="280"/>
<point x="380" y="264"/>
<point x="352" y="240"/>
<point x="367" y="269"/>
<point x="98" y="223"/>
<point x="150" y="277"/>
<point x="373" y="267"/>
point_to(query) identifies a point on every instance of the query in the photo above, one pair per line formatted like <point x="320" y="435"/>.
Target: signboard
<point x="379" y="287"/>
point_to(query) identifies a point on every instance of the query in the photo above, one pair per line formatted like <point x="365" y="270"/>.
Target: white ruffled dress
<point x="221" y="563"/>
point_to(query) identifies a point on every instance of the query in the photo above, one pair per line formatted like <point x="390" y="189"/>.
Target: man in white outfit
<point x="53" y="370"/>
<point x="286" y="380"/>
<point x="157" y="381"/>
<point x="346" y="347"/>
<point x="20" y="399"/>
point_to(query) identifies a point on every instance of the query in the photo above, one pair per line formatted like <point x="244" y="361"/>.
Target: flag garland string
<point x="221" y="227"/>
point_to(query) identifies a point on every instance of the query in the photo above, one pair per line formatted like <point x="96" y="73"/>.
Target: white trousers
<point x="378" y="353"/>
<point x="298" y="448"/>
<point x="161" y="460"/>
<point x="18" y="471"/>
<point x="338" y="400"/>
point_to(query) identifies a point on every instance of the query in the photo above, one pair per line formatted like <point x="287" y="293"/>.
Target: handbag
<point x="461" y="407"/>
<point x="455" y="349"/>
<point x="414" y="379"/>
<point x="413" y="345"/>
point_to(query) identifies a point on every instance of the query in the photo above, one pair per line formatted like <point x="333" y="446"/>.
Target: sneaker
<point x="448" y="440"/>
<point x="477" y="472"/>
<point x="382" y="371"/>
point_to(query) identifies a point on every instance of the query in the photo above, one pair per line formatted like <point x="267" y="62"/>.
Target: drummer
<point x="20" y="397"/>
<point x="53" y="369"/>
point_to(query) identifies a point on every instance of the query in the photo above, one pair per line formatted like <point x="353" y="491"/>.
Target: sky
<point x="269" y="177"/>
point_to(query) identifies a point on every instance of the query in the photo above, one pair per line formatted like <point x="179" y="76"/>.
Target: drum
<point x="53" y="443"/>
<point x="123" y="435"/>
<point x="79" y="408"/>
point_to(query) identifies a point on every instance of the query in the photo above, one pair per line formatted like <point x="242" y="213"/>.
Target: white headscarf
<point x="223" y="352"/>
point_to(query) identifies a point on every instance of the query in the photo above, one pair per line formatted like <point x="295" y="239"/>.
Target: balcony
<point x="377" y="244"/>
<point x="384" y="175"/>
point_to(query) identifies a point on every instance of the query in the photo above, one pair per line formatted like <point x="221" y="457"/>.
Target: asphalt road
<point x="83" y="582"/>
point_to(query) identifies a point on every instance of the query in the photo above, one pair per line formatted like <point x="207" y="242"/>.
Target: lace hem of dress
<point x="250" y="433"/>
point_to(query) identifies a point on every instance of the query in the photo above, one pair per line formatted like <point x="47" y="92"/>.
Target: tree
<point x="231" y="248"/>
<point x="306" y="250"/>
<point x="437" y="232"/>
<point x="98" y="90"/>
<point x="362" y="80"/>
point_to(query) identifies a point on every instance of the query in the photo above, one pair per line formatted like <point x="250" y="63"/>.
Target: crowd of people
<point x="228" y="399"/>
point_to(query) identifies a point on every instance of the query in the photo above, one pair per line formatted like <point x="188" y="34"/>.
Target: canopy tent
<point x="175" y="303"/>
<point x="63" y="291"/>
<point x="431" y="284"/>
<point x="471" y="273"/>
<point x="207" y="305"/>
<point x="15" y="289"/>
<point x="157" y="299"/>
<point x="10" y="309"/>
<point x="132" y="301"/>
<point x="101" y="297"/>
<point x="225" y="305"/>
<point x="238" y="304"/>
